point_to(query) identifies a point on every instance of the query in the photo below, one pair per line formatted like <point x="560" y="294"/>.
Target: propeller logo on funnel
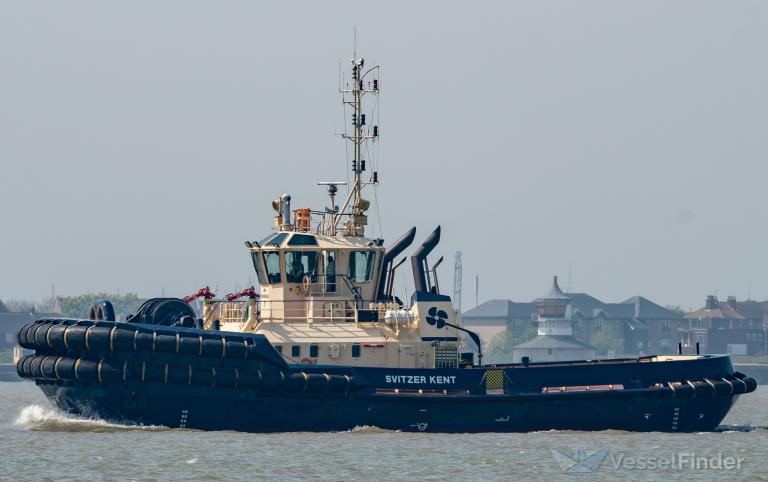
<point x="436" y="317"/>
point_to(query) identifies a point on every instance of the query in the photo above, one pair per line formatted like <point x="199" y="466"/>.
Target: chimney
<point x="711" y="302"/>
<point x="732" y="301"/>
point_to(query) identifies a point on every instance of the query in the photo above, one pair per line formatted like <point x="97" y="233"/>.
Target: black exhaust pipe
<point x="389" y="255"/>
<point x="418" y="260"/>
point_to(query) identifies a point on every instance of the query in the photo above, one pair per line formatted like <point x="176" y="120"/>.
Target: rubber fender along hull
<point x="88" y="337"/>
<point x="182" y="372"/>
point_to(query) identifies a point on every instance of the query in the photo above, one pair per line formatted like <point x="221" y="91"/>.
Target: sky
<point x="619" y="145"/>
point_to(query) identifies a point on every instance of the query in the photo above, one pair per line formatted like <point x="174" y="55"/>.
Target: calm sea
<point x="37" y="443"/>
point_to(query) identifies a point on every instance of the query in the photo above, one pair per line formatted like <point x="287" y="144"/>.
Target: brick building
<point x="731" y="326"/>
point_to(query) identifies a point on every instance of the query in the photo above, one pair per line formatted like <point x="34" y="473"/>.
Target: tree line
<point x="74" y="306"/>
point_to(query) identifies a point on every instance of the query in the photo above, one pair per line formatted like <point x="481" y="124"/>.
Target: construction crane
<point x="457" y="281"/>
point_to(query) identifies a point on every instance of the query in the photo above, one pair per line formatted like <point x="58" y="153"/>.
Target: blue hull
<point x="222" y="409"/>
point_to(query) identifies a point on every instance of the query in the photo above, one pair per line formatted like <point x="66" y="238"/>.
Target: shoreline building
<point x="636" y="326"/>
<point x="555" y="340"/>
<point x="732" y="327"/>
<point x="12" y="321"/>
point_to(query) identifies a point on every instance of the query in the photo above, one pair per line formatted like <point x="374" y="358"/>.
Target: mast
<point x="360" y="134"/>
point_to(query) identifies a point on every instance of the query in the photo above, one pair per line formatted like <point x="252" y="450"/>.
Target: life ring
<point x="306" y="284"/>
<point x="307" y="361"/>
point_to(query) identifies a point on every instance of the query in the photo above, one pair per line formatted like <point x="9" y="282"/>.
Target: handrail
<point x="339" y="304"/>
<point x="337" y="309"/>
<point x="320" y="287"/>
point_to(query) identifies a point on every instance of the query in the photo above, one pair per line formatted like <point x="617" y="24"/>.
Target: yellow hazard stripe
<point x="494" y="379"/>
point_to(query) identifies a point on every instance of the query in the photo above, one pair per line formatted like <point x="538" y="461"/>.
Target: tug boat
<point x="324" y="344"/>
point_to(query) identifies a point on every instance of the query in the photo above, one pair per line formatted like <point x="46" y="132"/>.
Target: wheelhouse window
<point x="361" y="266"/>
<point x="257" y="266"/>
<point x="302" y="240"/>
<point x="272" y="265"/>
<point x="300" y="263"/>
<point x="274" y="239"/>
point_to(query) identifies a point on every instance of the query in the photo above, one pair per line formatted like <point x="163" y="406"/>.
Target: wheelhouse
<point x="296" y="267"/>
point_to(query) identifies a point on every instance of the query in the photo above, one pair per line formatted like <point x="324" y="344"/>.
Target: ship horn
<point x="418" y="260"/>
<point x="389" y="255"/>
